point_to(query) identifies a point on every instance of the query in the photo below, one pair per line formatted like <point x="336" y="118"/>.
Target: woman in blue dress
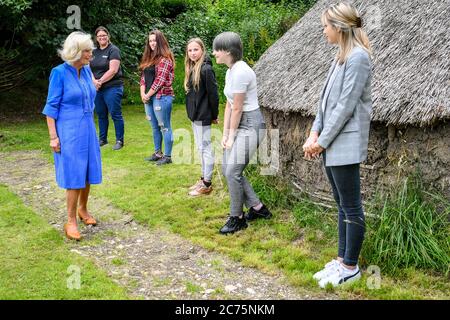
<point x="69" y="110"/>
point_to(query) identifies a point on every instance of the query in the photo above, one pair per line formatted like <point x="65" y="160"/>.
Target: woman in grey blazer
<point x="341" y="132"/>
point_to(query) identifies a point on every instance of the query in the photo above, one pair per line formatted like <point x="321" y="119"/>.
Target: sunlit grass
<point x="35" y="263"/>
<point x="299" y="239"/>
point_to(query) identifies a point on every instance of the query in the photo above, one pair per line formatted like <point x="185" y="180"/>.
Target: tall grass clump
<point x="312" y="217"/>
<point x="409" y="228"/>
<point x="270" y="189"/>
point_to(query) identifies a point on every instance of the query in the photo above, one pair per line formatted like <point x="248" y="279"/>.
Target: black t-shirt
<point x="100" y="64"/>
<point x="149" y="77"/>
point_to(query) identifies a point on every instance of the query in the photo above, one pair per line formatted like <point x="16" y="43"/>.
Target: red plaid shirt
<point x="164" y="75"/>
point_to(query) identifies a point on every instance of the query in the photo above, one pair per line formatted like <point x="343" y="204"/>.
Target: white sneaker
<point x="196" y="185"/>
<point x="342" y="275"/>
<point x="329" y="269"/>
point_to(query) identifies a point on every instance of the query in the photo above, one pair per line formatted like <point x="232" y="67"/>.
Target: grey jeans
<point x="202" y="137"/>
<point x="251" y="132"/>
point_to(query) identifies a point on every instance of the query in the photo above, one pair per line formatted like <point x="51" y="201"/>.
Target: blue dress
<point x="70" y="102"/>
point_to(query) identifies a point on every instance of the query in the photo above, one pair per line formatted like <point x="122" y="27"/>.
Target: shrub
<point x="264" y="23"/>
<point x="35" y="29"/>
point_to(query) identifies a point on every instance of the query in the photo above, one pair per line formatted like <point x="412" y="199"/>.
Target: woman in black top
<point x="202" y="106"/>
<point x="157" y="66"/>
<point x="105" y="67"/>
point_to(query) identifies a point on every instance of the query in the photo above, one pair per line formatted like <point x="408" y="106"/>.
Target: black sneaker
<point x="164" y="160"/>
<point x="102" y="142"/>
<point x="233" y="224"/>
<point x="263" y="213"/>
<point x="118" y="145"/>
<point x="154" y="157"/>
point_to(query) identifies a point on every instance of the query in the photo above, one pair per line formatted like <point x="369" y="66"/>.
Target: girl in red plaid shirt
<point x="157" y="67"/>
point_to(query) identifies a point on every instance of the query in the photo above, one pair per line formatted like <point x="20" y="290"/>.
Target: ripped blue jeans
<point x="159" y="113"/>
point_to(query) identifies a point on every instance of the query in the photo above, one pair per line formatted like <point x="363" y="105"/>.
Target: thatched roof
<point x="411" y="58"/>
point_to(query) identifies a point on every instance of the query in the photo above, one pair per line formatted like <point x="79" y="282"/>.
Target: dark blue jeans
<point x="109" y="101"/>
<point x="345" y="182"/>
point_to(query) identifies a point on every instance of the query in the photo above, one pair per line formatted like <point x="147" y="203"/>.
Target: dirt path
<point x="150" y="263"/>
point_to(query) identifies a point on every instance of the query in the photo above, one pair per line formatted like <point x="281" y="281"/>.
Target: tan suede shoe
<point x="71" y="231"/>
<point x="87" y="219"/>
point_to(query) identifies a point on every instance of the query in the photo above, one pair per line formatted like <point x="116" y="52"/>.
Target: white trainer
<point x="329" y="269"/>
<point x="341" y="276"/>
<point x="196" y="185"/>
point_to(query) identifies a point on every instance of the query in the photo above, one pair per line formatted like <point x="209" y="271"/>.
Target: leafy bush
<point x="264" y="23"/>
<point x="36" y="29"/>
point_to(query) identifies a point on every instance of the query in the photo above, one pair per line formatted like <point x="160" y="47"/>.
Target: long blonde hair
<point x="345" y="18"/>
<point x="194" y="68"/>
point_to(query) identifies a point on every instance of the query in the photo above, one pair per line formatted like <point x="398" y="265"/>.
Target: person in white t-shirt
<point x="243" y="130"/>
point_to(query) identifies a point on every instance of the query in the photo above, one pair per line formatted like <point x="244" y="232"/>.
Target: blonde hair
<point x="345" y="18"/>
<point x="193" y="68"/>
<point x="74" y="45"/>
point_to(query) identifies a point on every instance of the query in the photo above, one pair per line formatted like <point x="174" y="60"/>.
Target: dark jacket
<point x="203" y="105"/>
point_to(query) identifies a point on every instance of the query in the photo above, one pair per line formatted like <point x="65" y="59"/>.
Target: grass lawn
<point x="35" y="262"/>
<point x="298" y="240"/>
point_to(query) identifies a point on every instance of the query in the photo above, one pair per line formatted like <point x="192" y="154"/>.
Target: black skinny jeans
<point x="345" y="182"/>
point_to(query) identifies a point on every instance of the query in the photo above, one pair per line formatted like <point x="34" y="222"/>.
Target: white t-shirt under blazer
<point x="240" y="78"/>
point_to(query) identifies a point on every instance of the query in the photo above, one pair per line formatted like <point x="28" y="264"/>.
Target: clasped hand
<point x="145" y="98"/>
<point x="311" y="148"/>
<point x="227" y="142"/>
<point x="97" y="84"/>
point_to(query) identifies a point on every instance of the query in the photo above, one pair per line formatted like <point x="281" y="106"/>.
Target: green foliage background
<point x="35" y="29"/>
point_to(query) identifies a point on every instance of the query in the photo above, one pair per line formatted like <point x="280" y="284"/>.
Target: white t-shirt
<point x="242" y="79"/>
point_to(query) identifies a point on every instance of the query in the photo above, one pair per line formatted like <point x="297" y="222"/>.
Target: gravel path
<point x="150" y="263"/>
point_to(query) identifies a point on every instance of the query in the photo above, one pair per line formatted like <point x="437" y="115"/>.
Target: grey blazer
<point x="344" y="125"/>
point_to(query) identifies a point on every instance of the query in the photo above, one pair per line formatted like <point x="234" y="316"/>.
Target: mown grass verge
<point x="35" y="262"/>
